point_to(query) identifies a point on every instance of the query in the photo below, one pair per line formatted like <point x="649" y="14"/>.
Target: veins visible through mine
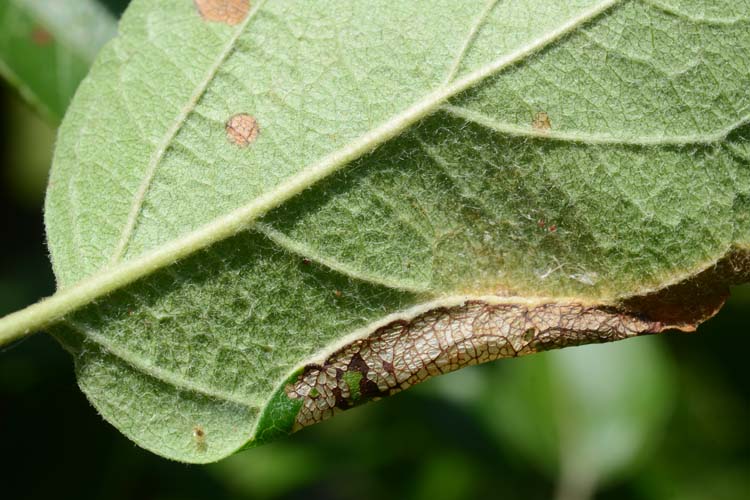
<point x="441" y="338"/>
<point x="406" y="352"/>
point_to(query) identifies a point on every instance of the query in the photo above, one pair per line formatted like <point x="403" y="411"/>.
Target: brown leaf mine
<point x="242" y="129"/>
<point x="446" y="336"/>
<point x="441" y="340"/>
<point x="229" y="12"/>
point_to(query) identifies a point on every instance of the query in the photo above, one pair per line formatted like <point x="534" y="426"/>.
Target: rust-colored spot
<point x="242" y="129"/>
<point x="541" y="121"/>
<point x="306" y="261"/>
<point x="552" y="228"/>
<point x="540" y="223"/>
<point x="41" y="37"/>
<point x="337" y="293"/>
<point x="229" y="12"/>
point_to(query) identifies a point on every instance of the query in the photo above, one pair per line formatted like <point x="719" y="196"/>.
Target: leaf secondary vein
<point x="299" y="248"/>
<point x="672" y="11"/>
<point x="588" y="138"/>
<point x="140" y="196"/>
<point x="51" y="309"/>
<point x="470" y="38"/>
<point x="160" y="374"/>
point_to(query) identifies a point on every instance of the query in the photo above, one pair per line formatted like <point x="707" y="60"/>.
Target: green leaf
<point x="261" y="216"/>
<point x="47" y="46"/>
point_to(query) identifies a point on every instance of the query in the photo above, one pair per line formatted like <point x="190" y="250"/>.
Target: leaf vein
<point x="588" y="138"/>
<point x="299" y="248"/>
<point x="156" y="157"/>
<point x="155" y="372"/>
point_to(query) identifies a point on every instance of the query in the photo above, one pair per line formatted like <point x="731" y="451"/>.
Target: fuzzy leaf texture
<point x="309" y="204"/>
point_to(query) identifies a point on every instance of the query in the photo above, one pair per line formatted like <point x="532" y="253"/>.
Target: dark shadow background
<point x="427" y="443"/>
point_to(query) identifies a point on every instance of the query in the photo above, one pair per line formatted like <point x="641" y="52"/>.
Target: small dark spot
<point x="541" y="223"/>
<point x="242" y="129"/>
<point x="552" y="228"/>
<point x="541" y="121"/>
<point x="337" y="293"/>
<point x="199" y="436"/>
<point x="369" y="388"/>
<point x="41" y="37"/>
<point x="229" y="12"/>
<point x="341" y="402"/>
<point x="306" y="261"/>
<point x="358" y="364"/>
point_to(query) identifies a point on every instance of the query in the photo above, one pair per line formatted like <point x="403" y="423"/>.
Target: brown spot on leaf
<point x="242" y="129"/>
<point x="541" y="121"/>
<point x="229" y="12"/>
<point x="41" y="37"/>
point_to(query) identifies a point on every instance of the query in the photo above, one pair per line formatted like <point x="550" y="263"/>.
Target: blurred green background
<point x="664" y="417"/>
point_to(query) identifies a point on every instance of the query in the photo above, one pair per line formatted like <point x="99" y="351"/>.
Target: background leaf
<point x="586" y="414"/>
<point x="47" y="46"/>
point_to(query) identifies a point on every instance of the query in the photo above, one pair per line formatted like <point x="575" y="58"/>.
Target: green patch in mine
<point x="352" y="379"/>
<point x="277" y="420"/>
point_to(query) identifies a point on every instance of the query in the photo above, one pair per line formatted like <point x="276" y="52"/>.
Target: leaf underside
<point x="424" y="185"/>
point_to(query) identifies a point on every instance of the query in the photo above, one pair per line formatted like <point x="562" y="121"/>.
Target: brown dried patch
<point x="408" y="351"/>
<point x="242" y="129"/>
<point x="229" y="12"/>
<point x="693" y="301"/>
<point x="445" y="339"/>
<point x="541" y="121"/>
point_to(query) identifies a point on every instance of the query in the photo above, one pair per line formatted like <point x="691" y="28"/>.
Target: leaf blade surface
<point x="552" y="193"/>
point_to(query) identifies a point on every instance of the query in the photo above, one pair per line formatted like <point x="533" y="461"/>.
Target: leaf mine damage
<point x="541" y="122"/>
<point x="230" y="12"/>
<point x="242" y="129"/>
<point x="448" y="337"/>
<point x="406" y="352"/>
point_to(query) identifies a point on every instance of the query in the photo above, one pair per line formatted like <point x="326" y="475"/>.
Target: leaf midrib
<point x="155" y="159"/>
<point x="50" y="310"/>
